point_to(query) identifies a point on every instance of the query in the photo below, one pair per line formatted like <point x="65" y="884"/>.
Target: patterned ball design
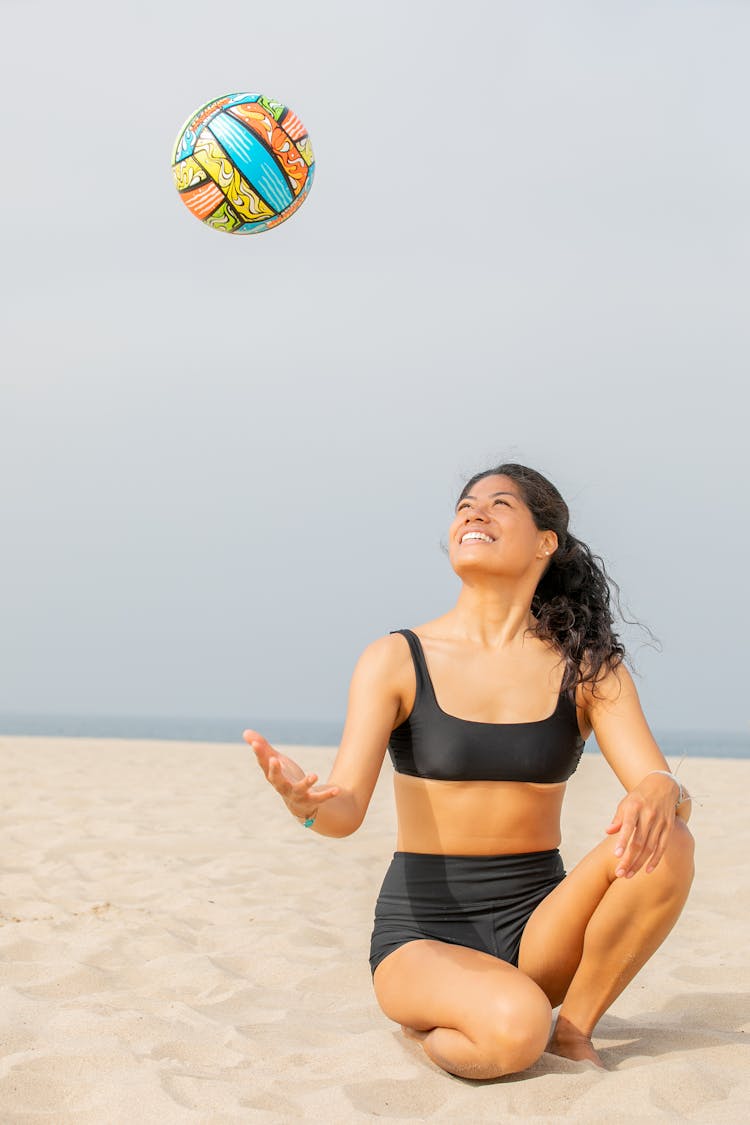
<point x="243" y="163"/>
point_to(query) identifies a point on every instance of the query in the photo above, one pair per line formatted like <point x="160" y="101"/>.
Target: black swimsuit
<point x="482" y="902"/>
<point x="431" y="743"/>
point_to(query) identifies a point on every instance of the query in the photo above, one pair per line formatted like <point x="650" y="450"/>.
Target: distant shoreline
<point x="300" y="732"/>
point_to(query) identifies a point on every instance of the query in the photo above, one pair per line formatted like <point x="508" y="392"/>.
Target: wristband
<point x="308" y="821"/>
<point x="682" y="796"/>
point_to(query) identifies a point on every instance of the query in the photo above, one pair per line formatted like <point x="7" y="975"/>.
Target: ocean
<point x="313" y="732"/>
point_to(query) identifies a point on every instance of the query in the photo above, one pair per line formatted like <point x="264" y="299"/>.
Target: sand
<point x="175" y="948"/>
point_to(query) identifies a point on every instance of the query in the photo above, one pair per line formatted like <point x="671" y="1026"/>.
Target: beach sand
<point x="176" y="948"/>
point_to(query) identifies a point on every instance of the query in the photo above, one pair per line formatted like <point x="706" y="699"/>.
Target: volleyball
<point x="243" y="163"/>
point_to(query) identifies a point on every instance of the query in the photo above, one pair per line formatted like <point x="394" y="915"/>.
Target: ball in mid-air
<point x="243" y="163"/>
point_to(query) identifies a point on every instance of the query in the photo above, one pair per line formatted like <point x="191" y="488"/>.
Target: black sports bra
<point x="433" y="744"/>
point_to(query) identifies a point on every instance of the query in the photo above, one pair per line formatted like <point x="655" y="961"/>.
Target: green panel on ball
<point x="224" y="218"/>
<point x="274" y="108"/>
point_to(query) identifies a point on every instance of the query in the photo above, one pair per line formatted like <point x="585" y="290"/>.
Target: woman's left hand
<point x="643" y="821"/>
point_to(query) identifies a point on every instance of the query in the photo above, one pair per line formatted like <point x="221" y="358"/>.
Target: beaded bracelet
<point x="308" y="821"/>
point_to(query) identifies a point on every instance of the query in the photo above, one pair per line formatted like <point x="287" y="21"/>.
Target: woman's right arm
<point x="374" y="709"/>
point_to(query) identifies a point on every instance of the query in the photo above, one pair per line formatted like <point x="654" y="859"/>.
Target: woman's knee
<point x="680" y="851"/>
<point x="515" y="1029"/>
<point x="502" y="1015"/>
<point x="673" y="875"/>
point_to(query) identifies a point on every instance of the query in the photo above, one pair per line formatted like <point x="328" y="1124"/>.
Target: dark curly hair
<point x="573" y="603"/>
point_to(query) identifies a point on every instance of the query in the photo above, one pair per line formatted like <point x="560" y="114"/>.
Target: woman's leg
<point x="587" y="940"/>
<point x="475" y="1015"/>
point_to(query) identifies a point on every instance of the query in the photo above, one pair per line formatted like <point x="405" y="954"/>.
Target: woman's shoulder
<point x="385" y="670"/>
<point x="605" y="684"/>
<point x="395" y="644"/>
<point x="433" y="631"/>
<point x="602" y="690"/>
<point x="387" y="653"/>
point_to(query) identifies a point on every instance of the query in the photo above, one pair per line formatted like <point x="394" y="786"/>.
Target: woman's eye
<point x="498" y="501"/>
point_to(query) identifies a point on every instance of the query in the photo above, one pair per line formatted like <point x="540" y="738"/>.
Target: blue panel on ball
<point x="252" y="228"/>
<point x="253" y="160"/>
<point x="186" y="146"/>
<point x="242" y="99"/>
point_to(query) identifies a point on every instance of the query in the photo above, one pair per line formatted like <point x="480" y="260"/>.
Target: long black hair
<point x="573" y="603"/>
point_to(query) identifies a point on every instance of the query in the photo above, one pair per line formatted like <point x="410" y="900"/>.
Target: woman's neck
<point x="492" y="614"/>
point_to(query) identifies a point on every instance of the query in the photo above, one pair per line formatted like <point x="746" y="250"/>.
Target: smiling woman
<point x="572" y="602"/>
<point x="478" y="930"/>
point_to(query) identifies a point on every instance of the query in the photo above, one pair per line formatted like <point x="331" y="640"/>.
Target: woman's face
<point x="494" y="531"/>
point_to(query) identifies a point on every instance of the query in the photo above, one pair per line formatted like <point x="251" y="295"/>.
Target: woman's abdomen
<point x="476" y="817"/>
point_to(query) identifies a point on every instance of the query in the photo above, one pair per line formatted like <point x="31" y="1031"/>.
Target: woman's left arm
<point x="646" y="815"/>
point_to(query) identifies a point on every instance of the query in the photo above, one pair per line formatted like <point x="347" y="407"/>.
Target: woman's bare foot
<point x="570" y="1043"/>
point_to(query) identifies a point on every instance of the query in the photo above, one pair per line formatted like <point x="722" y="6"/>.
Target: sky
<point x="228" y="464"/>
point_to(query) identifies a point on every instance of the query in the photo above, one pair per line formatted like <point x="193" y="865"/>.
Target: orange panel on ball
<point x="260" y="121"/>
<point x="203" y="200"/>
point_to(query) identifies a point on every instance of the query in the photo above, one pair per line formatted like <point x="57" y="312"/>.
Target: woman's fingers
<point x="299" y="795"/>
<point x="271" y="760"/>
<point x="319" y="796"/>
<point x="263" y="749"/>
<point x="658" y="851"/>
<point x="305" y="790"/>
<point x="645" y="845"/>
<point x="631" y="839"/>
<point x="284" y="774"/>
<point x="628" y="856"/>
<point x="290" y="781"/>
<point x="642" y="824"/>
<point x="257" y="741"/>
<point x="627" y="828"/>
<point x="275" y="774"/>
<point x="633" y="858"/>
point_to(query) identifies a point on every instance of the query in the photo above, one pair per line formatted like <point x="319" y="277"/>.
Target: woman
<point x="478" y="931"/>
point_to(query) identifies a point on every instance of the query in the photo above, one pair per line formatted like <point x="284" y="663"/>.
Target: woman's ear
<point x="549" y="543"/>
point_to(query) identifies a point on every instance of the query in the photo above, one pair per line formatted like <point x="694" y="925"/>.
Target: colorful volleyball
<point x="243" y="163"/>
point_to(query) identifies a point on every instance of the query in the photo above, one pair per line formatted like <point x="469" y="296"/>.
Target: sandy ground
<point x="175" y="948"/>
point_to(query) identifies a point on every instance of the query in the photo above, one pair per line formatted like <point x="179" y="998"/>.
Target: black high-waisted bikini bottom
<point x="480" y="901"/>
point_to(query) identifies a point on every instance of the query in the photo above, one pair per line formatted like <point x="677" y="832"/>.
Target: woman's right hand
<point x="288" y="779"/>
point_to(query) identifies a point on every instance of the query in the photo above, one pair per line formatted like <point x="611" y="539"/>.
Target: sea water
<point x="312" y="732"/>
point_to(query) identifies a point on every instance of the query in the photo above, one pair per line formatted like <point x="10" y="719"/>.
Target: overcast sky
<point x="227" y="464"/>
